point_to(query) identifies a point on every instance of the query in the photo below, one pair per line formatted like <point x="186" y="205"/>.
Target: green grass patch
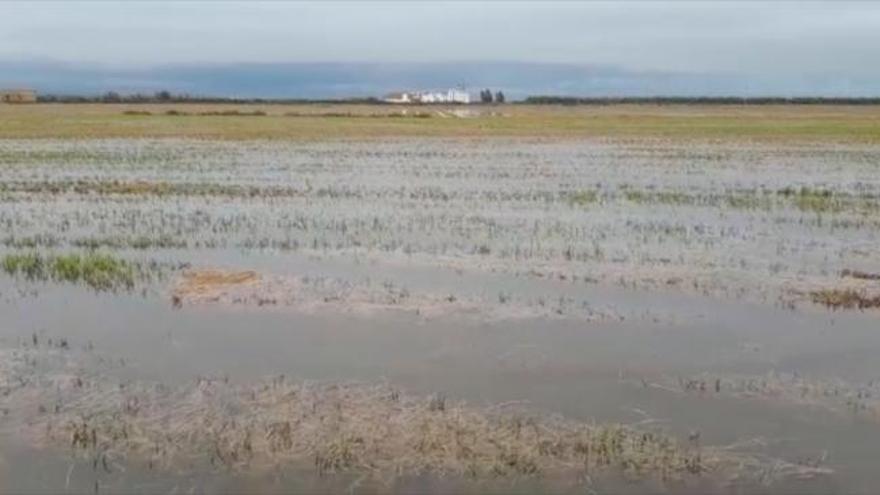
<point x="813" y="123"/>
<point x="583" y="198"/>
<point x="813" y="200"/>
<point x="663" y="197"/>
<point x="100" y="272"/>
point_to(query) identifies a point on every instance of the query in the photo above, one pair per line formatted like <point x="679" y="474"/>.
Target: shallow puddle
<point x="595" y="371"/>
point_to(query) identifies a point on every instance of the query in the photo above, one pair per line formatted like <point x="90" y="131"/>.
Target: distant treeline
<point x="699" y="100"/>
<point x="167" y="97"/>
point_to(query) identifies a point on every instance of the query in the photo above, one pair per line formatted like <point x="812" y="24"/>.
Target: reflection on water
<point x="584" y="371"/>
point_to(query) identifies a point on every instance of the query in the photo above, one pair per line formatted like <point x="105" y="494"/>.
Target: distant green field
<point x="827" y="123"/>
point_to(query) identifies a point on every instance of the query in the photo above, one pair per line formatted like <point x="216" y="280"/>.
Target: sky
<point x="780" y="40"/>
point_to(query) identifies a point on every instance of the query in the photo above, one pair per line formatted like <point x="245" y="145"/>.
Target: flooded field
<point x="436" y="314"/>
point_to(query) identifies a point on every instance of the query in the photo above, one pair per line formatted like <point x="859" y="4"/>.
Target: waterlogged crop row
<point x="803" y="199"/>
<point x="732" y="220"/>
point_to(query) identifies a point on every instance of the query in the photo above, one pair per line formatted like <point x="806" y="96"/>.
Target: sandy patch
<point x="305" y="294"/>
<point x="209" y="284"/>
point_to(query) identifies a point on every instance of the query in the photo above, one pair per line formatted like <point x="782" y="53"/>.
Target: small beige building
<point x="399" y="97"/>
<point x="18" y="96"/>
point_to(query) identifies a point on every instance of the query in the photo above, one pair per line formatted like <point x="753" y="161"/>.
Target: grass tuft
<point x="583" y="198"/>
<point x="101" y="272"/>
<point x="845" y="299"/>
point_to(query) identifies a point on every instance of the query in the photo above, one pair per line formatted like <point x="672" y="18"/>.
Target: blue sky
<point x="779" y="41"/>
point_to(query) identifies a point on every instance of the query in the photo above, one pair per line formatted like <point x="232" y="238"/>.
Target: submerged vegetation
<point x="596" y="212"/>
<point x="805" y="199"/>
<point x="845" y="299"/>
<point x="835" y="395"/>
<point x="376" y="430"/>
<point x="541" y="234"/>
<point x="146" y="188"/>
<point x="816" y="200"/>
<point x="859" y="275"/>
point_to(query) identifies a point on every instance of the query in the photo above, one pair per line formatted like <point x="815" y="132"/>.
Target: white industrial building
<point x="453" y="95"/>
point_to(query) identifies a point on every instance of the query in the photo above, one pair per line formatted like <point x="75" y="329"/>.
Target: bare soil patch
<point x="210" y="284"/>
